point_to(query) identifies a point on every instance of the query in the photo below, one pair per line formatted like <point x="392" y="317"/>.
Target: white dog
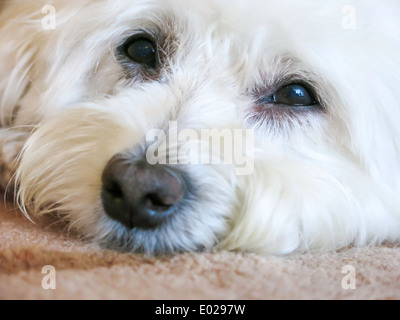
<point x="84" y="82"/>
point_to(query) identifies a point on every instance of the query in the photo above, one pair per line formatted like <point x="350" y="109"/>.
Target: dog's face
<point x="317" y="96"/>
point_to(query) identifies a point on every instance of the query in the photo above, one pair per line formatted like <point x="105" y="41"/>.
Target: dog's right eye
<point x="293" y="95"/>
<point x="142" y="51"/>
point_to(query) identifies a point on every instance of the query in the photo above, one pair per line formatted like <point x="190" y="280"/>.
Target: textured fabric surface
<point x="84" y="271"/>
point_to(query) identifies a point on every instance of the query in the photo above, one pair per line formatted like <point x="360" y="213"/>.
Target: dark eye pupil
<point x="293" y="95"/>
<point x="142" y="51"/>
<point x="297" y="92"/>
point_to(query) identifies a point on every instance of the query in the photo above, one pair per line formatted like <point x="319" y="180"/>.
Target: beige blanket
<point x="84" y="271"/>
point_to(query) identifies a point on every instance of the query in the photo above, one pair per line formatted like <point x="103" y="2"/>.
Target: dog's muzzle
<point x="140" y="195"/>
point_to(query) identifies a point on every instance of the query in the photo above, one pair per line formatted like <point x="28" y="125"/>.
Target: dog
<point x="100" y="99"/>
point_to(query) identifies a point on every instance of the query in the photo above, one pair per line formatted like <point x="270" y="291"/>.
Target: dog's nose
<point x="139" y="195"/>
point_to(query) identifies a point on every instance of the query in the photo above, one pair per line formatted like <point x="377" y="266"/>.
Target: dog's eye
<point x="295" y="95"/>
<point x="142" y="51"/>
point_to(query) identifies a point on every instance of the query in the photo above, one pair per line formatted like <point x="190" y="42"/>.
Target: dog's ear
<point x="20" y="38"/>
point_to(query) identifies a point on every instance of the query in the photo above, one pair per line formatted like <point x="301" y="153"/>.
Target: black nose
<point x="139" y="195"/>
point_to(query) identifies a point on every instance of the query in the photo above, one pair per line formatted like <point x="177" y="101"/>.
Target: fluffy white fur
<point x="321" y="180"/>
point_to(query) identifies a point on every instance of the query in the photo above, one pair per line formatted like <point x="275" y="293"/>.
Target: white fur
<point x="321" y="181"/>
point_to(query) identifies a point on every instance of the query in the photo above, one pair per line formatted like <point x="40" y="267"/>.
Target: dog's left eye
<point x="295" y="95"/>
<point x="143" y="51"/>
